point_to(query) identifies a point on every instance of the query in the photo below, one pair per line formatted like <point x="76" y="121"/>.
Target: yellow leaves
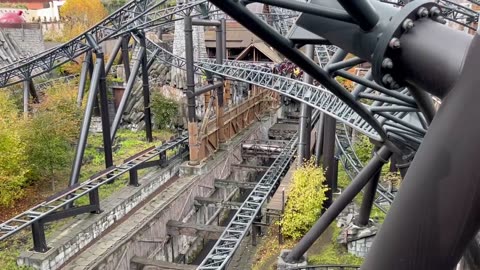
<point x="79" y="15"/>
<point x="305" y="200"/>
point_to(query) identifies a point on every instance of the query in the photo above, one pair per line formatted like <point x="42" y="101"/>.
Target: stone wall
<point x="144" y="234"/>
<point x="28" y="37"/>
<point x="85" y="228"/>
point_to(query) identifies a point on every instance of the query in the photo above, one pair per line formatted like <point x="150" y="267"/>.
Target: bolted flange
<point x="388" y="50"/>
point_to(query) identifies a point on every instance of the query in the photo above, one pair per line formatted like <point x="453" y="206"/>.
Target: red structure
<point x="12" y="18"/>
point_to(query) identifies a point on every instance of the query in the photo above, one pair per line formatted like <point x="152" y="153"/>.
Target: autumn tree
<point x="305" y="200"/>
<point x="79" y="15"/>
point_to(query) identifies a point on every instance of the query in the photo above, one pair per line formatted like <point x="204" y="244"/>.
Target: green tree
<point x="13" y="161"/>
<point x="79" y="15"/>
<point x="305" y="200"/>
<point x="165" y="111"/>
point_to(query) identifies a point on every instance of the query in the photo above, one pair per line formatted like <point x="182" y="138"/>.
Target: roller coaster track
<point x="58" y="202"/>
<point x="394" y="112"/>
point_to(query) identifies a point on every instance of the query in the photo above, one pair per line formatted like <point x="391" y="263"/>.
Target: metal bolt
<point x="394" y="43"/>
<point x="407" y="24"/>
<point x="441" y="20"/>
<point x="387" y="79"/>
<point x="387" y="63"/>
<point x="435" y="11"/>
<point x="394" y="85"/>
<point x="422" y="12"/>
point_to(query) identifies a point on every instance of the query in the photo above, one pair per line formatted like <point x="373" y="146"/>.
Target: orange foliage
<point x="79" y="15"/>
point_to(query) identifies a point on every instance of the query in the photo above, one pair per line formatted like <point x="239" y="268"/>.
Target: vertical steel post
<point x="107" y="142"/>
<point x="329" y="157"/>
<point x="126" y="94"/>
<point x="146" y="90"/>
<point x="83" y="77"/>
<point x="26" y="94"/>
<point x="219" y="58"/>
<point x="319" y="140"/>
<point x="39" y="241"/>
<point x="193" y="142"/>
<point x="82" y="141"/>
<point x="223" y="25"/>
<point x="125" y="58"/>
<point x="305" y="117"/>
<point x="340" y="203"/>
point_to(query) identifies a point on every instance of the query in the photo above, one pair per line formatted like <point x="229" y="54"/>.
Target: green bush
<point x="13" y="152"/>
<point x="363" y="148"/>
<point x="305" y="200"/>
<point x="165" y="111"/>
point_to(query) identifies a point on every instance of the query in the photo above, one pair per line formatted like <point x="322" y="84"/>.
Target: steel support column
<point x="33" y="91"/>
<point x="116" y="49"/>
<point x="126" y="94"/>
<point x="26" y="94"/>
<point x="107" y="142"/>
<point x="343" y="200"/>
<point x="83" y="77"/>
<point x="435" y="214"/>
<point x="146" y="90"/>
<point x="219" y="58"/>
<point x="87" y="116"/>
<point x="194" y="144"/>
<point x="319" y="140"/>
<point x="329" y="157"/>
<point x="305" y="117"/>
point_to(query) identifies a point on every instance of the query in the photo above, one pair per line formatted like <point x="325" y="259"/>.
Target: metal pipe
<point x="146" y="90"/>
<point x="305" y="117"/>
<point x="311" y="9"/>
<point x="107" y="142"/>
<point x="344" y="64"/>
<point x="424" y="102"/>
<point x="340" y="203"/>
<point x="207" y="88"/>
<point x="362" y="12"/>
<point x="116" y="49"/>
<point x="83" y="77"/>
<point x="82" y="141"/>
<point x="202" y="22"/>
<point x="370" y="191"/>
<point x="126" y="94"/>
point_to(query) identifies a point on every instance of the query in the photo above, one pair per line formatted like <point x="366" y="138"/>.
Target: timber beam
<point x="224" y="183"/>
<point x="141" y="262"/>
<point x="218" y="203"/>
<point x="175" y="228"/>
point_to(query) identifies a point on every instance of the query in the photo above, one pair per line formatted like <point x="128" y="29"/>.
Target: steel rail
<point x="57" y="203"/>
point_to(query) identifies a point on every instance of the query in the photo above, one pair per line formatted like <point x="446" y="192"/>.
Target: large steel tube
<point x="368" y="199"/>
<point x="147" y="113"/>
<point x="126" y="94"/>
<point x="87" y="116"/>
<point x="343" y="200"/>
<point x="435" y="214"/>
<point x="83" y="77"/>
<point x="107" y="142"/>
<point x="305" y="117"/>
<point x="362" y="12"/>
